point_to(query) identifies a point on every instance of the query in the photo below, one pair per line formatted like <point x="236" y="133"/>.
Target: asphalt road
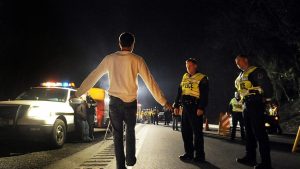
<point x="158" y="147"/>
<point x="21" y="154"/>
<point x="162" y="146"/>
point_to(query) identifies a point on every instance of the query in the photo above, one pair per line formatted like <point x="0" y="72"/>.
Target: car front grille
<point x="10" y="113"/>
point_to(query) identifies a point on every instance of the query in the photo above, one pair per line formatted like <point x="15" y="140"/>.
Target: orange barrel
<point x="224" y="124"/>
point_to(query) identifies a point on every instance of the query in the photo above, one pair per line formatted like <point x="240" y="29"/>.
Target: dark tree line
<point x="268" y="30"/>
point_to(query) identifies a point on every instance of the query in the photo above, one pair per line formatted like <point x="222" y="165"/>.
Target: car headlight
<point x="37" y="112"/>
<point x="267" y="125"/>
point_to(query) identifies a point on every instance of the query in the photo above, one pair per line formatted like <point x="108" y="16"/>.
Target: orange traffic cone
<point x="206" y="125"/>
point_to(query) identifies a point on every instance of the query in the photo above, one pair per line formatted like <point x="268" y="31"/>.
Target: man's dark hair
<point x="193" y="60"/>
<point x="242" y="56"/>
<point x="126" y="39"/>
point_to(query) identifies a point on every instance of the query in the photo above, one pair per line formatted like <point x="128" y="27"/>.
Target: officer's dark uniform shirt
<point x="201" y="102"/>
<point x="260" y="78"/>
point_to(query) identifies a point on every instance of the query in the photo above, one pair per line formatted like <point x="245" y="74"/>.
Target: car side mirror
<point x="76" y="101"/>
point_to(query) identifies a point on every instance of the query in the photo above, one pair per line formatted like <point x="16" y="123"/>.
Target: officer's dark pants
<point x="237" y="117"/>
<point x="255" y="129"/>
<point x="191" y="129"/>
<point x="120" y="112"/>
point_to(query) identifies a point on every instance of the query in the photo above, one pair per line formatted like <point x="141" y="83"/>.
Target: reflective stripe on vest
<point x="243" y="84"/>
<point x="237" y="106"/>
<point x="190" y="85"/>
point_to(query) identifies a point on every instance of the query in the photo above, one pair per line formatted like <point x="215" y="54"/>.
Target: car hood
<point x="29" y="102"/>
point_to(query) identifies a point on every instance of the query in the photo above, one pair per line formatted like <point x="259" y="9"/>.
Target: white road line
<point x="141" y="138"/>
<point x="140" y="141"/>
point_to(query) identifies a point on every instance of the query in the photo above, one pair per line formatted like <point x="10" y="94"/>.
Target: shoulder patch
<point x="260" y="75"/>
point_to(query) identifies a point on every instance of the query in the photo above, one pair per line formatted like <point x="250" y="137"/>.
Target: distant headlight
<point x="267" y="125"/>
<point x="37" y="112"/>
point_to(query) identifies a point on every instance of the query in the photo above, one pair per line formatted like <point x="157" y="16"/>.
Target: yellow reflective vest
<point x="190" y="85"/>
<point x="243" y="84"/>
<point x="237" y="106"/>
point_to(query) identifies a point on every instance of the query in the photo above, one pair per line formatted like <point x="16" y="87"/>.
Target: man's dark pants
<point x="192" y="131"/>
<point x="255" y="129"/>
<point x="120" y="112"/>
<point x="237" y="117"/>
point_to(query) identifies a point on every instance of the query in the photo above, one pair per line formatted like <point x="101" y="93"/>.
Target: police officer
<point x="236" y="109"/>
<point x="255" y="89"/>
<point x="193" y="96"/>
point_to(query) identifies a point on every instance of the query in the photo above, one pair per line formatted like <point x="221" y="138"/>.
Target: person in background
<point x="155" y="117"/>
<point x="175" y="118"/>
<point x="81" y="116"/>
<point x="152" y="118"/>
<point x="236" y="110"/>
<point x="167" y="117"/>
<point x="274" y="114"/>
<point x="91" y="112"/>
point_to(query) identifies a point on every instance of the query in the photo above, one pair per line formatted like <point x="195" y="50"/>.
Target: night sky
<point x="65" y="40"/>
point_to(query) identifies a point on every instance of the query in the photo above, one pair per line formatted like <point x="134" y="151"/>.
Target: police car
<point x="45" y="112"/>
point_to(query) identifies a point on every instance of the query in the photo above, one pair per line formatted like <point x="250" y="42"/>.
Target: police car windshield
<point x="44" y="94"/>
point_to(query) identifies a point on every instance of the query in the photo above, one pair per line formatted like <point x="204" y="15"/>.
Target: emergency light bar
<point x="58" y="84"/>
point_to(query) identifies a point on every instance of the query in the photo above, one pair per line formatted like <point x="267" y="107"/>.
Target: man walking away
<point x="123" y="68"/>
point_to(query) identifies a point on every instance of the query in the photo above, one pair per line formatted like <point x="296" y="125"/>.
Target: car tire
<point x="58" y="135"/>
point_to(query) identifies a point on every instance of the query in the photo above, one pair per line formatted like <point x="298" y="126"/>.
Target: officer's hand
<point x="168" y="107"/>
<point x="176" y="111"/>
<point x="200" y="112"/>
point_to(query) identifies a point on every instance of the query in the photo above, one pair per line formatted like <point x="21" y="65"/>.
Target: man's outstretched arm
<point x="151" y="84"/>
<point x="92" y="78"/>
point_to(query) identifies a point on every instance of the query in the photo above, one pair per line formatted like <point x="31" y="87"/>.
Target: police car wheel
<point x="58" y="133"/>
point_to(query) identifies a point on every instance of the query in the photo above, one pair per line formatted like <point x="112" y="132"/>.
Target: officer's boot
<point x="262" y="166"/>
<point x="249" y="160"/>
<point x="265" y="162"/>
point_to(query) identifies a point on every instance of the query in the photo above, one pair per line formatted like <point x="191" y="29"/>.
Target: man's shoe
<point x="185" y="157"/>
<point x="199" y="159"/>
<point x="131" y="162"/>
<point x="247" y="161"/>
<point x="262" y="166"/>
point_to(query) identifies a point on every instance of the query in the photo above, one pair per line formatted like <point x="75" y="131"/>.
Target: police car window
<point x="44" y="94"/>
<point x="72" y="94"/>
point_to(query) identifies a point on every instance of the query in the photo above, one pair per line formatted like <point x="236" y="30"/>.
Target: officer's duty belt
<point x="189" y="99"/>
<point x="252" y="96"/>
